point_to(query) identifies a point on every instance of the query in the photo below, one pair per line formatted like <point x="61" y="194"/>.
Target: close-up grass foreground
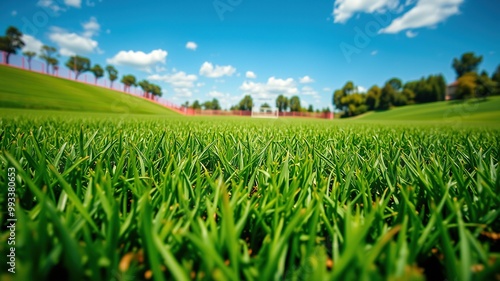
<point x="102" y="197"/>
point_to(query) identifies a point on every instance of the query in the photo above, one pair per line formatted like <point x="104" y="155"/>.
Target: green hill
<point x="29" y="90"/>
<point x="467" y="112"/>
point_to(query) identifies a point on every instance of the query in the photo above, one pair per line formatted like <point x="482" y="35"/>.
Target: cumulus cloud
<point x="271" y="89"/>
<point x="31" y="44"/>
<point x="191" y="46"/>
<point x="225" y="100"/>
<point x="309" y="91"/>
<point x="374" y="53"/>
<point x="209" y="70"/>
<point x="139" y="59"/>
<point x="306" y="80"/>
<point x="91" y="28"/>
<point x="426" y="13"/>
<point x="54" y="5"/>
<point x="182" y="82"/>
<point x="177" y="80"/>
<point x="411" y="34"/>
<point x="250" y="75"/>
<point x="72" y="43"/>
<point x="73" y="3"/>
<point x="344" y="9"/>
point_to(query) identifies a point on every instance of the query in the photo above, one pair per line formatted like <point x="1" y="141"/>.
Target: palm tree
<point x="29" y="55"/>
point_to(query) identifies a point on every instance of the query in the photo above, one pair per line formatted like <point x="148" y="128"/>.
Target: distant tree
<point x="485" y="86"/>
<point x="469" y="62"/>
<point x="78" y="64"/>
<point x="155" y="90"/>
<point x="467" y="85"/>
<point x="97" y="71"/>
<point x="295" y="105"/>
<point x="386" y="97"/>
<point x="246" y="103"/>
<point x="112" y="74"/>
<point x="47" y="54"/>
<point x="395" y="83"/>
<point x="282" y="103"/>
<point x="11" y="42"/>
<point x="196" y="105"/>
<point x="54" y="63"/>
<point x="326" y="110"/>
<point x="495" y="77"/>
<point x="145" y="86"/>
<point x="186" y="104"/>
<point x="348" y="89"/>
<point x="356" y="104"/>
<point x="310" y="108"/>
<point x="373" y="97"/>
<point x="29" y="55"/>
<point x="265" y="105"/>
<point x="213" y="105"/>
<point x="128" y="80"/>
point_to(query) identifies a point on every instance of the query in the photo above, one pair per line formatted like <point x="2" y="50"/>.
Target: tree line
<point x="12" y="42"/>
<point x="350" y="101"/>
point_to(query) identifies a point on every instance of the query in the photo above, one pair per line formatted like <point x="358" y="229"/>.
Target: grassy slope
<point x="28" y="90"/>
<point x="476" y="112"/>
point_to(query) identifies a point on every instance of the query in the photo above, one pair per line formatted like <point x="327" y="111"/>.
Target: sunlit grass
<point x="110" y="198"/>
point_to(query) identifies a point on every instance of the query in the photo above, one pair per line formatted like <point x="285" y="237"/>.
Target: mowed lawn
<point x="29" y="90"/>
<point x="473" y="112"/>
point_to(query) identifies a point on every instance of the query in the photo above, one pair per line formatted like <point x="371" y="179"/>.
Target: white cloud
<point x="344" y="9"/>
<point x="326" y="89"/>
<point x="361" y="89"/>
<point x="14" y="13"/>
<point x="411" y="34"/>
<point x="56" y="8"/>
<point x="208" y="70"/>
<point x="306" y="79"/>
<point x="73" y="3"/>
<point x="217" y="95"/>
<point x="91" y="27"/>
<point x="191" y="46"/>
<point x="426" y="13"/>
<point x="181" y="82"/>
<point x="139" y="59"/>
<point x="183" y="92"/>
<point x="50" y="4"/>
<point x="271" y="89"/>
<point x="308" y="91"/>
<point x="72" y="43"/>
<point x="374" y="53"/>
<point x="31" y="44"/>
<point x="250" y="75"/>
<point x="225" y="100"/>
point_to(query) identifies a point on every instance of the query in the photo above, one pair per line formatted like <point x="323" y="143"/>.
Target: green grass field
<point x="30" y="90"/>
<point x="107" y="196"/>
<point x="473" y="112"/>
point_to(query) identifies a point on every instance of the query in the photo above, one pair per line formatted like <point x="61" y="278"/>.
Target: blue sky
<point x="200" y="49"/>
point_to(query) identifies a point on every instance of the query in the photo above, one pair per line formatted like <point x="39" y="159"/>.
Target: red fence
<point x="62" y="72"/>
